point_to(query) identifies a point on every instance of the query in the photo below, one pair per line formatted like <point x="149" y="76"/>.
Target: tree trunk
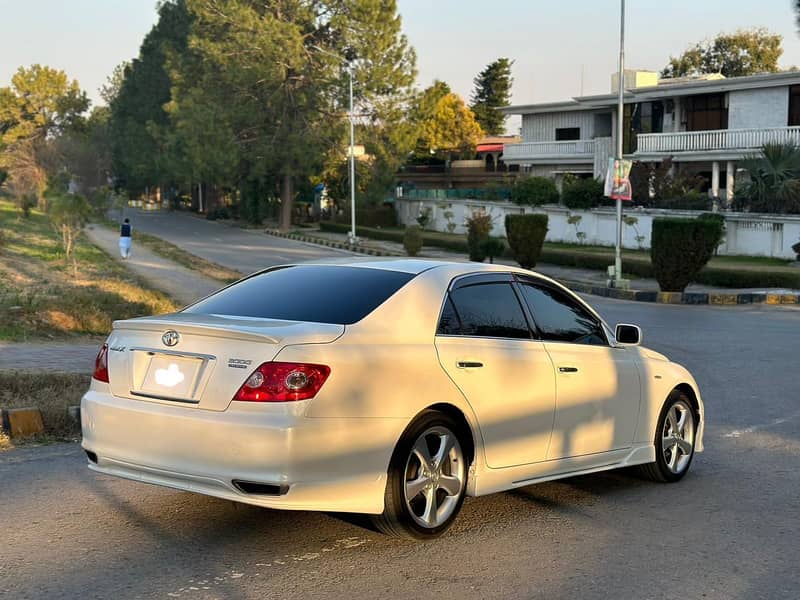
<point x="287" y="194"/>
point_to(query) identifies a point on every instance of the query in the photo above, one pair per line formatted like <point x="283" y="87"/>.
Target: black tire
<point x="660" y="470"/>
<point x="399" y="517"/>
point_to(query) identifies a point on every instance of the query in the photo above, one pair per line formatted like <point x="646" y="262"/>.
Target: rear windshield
<point x="320" y="294"/>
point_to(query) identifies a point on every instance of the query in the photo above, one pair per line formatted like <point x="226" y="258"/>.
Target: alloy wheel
<point x="434" y="477"/>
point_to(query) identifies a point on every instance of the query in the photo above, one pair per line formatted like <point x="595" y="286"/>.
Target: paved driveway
<point x="244" y="250"/>
<point x="728" y="531"/>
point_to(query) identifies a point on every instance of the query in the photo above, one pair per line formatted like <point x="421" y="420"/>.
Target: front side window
<point x="560" y="318"/>
<point x="484" y="310"/>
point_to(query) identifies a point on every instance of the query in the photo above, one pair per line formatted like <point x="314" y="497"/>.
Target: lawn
<point x="42" y="296"/>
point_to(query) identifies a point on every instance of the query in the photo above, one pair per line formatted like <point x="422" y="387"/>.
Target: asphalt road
<point x="728" y="530"/>
<point x="246" y="251"/>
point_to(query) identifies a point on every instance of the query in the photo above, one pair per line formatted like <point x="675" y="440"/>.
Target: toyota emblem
<point x="170" y="338"/>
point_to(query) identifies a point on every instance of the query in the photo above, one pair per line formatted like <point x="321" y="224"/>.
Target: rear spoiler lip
<point x="232" y="330"/>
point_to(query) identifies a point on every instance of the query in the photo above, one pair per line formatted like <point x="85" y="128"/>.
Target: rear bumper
<point x="320" y="464"/>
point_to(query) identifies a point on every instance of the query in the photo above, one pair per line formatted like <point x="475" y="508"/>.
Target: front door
<point x="486" y="346"/>
<point x="597" y="385"/>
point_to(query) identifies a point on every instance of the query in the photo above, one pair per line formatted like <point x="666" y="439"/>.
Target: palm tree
<point x="774" y="185"/>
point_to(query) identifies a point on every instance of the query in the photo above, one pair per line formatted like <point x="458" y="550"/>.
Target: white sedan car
<point x="388" y="387"/>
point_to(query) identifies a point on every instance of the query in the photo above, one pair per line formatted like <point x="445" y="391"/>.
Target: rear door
<point x="597" y="385"/>
<point x="486" y="346"/>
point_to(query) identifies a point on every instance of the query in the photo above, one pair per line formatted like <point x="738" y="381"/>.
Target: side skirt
<point x="488" y="481"/>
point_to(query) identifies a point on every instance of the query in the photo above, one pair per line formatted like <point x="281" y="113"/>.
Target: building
<point x="704" y="124"/>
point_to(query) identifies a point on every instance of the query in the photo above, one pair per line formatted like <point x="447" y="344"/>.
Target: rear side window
<point x="484" y="310"/>
<point x="316" y="293"/>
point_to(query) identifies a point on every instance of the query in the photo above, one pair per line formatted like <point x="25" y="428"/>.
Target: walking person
<point x="125" y="239"/>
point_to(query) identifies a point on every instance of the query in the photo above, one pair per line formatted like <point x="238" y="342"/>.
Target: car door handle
<point x="469" y="364"/>
<point x="567" y="369"/>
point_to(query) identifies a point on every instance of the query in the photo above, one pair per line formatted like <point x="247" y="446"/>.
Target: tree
<point x="276" y="73"/>
<point x="774" y="180"/>
<point x="138" y="117"/>
<point x="492" y="92"/>
<point x="68" y="212"/>
<point x="40" y="105"/>
<point x="745" y="52"/>
<point x="451" y="129"/>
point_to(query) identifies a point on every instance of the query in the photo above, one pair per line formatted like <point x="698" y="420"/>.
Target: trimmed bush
<point x="478" y="227"/>
<point x="412" y="240"/>
<point x="681" y="248"/>
<point x="583" y="192"/>
<point x="493" y="247"/>
<point x="689" y="201"/>
<point x="534" y="191"/>
<point x="525" y="234"/>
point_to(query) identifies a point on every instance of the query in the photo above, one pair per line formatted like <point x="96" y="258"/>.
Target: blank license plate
<point x="172" y="376"/>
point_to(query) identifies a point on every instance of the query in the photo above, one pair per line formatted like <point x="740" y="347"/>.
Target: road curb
<point x="685" y="298"/>
<point x="331" y="243"/>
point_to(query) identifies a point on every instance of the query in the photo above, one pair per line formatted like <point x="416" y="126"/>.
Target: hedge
<point x="585" y="192"/>
<point x="526" y="235"/>
<point x="396" y="235"/>
<point x="382" y="216"/>
<point x="534" y="191"/>
<point x="734" y="277"/>
<point x="681" y="248"/>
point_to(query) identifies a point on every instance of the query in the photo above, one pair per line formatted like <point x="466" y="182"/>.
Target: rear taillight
<point x="283" y="382"/>
<point x="101" y="365"/>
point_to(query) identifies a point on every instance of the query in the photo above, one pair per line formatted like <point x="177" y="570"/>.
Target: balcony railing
<point x="534" y="150"/>
<point x="722" y="139"/>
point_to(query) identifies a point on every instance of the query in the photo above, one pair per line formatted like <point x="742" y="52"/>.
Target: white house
<point x="704" y="124"/>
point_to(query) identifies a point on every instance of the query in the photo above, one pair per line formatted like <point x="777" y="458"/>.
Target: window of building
<point x="568" y="133"/>
<point x="707" y="112"/>
<point x="484" y="310"/>
<point x="794" y="105"/>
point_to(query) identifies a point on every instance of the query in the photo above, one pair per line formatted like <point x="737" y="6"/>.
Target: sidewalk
<point x="581" y="280"/>
<point x="182" y="284"/>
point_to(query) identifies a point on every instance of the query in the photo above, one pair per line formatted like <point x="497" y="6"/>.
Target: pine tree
<point x="492" y="92"/>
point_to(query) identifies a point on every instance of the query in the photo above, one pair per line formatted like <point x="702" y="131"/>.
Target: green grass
<point x="180" y="256"/>
<point x="44" y="296"/>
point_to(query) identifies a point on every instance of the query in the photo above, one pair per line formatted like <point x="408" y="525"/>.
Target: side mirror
<point x="628" y="335"/>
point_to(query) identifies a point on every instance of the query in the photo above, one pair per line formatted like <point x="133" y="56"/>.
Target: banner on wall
<point x="618" y="183"/>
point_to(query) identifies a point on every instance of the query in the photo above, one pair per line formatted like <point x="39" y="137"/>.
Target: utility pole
<point x="620" y="120"/>
<point x="353" y="239"/>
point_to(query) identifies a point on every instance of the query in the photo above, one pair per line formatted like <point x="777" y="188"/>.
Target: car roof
<point x="414" y="266"/>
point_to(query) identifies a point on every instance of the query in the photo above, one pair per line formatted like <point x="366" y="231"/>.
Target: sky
<point x="558" y="47"/>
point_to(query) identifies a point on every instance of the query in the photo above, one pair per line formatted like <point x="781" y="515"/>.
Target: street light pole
<point x="620" y="120"/>
<point x="352" y="236"/>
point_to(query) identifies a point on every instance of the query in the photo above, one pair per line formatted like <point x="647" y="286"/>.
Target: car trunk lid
<point x="199" y="361"/>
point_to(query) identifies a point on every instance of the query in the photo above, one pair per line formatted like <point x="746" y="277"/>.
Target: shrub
<point x="412" y="240"/>
<point x="681" y="248"/>
<point x="585" y="192"/>
<point x="689" y="201"/>
<point x="534" y="191"/>
<point x="525" y="234"/>
<point x="478" y="227"/>
<point x="493" y="247"/>
<point x="796" y="249"/>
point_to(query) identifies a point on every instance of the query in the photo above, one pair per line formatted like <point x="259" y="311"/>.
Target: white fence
<point x="722" y="139"/>
<point x="746" y="234"/>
